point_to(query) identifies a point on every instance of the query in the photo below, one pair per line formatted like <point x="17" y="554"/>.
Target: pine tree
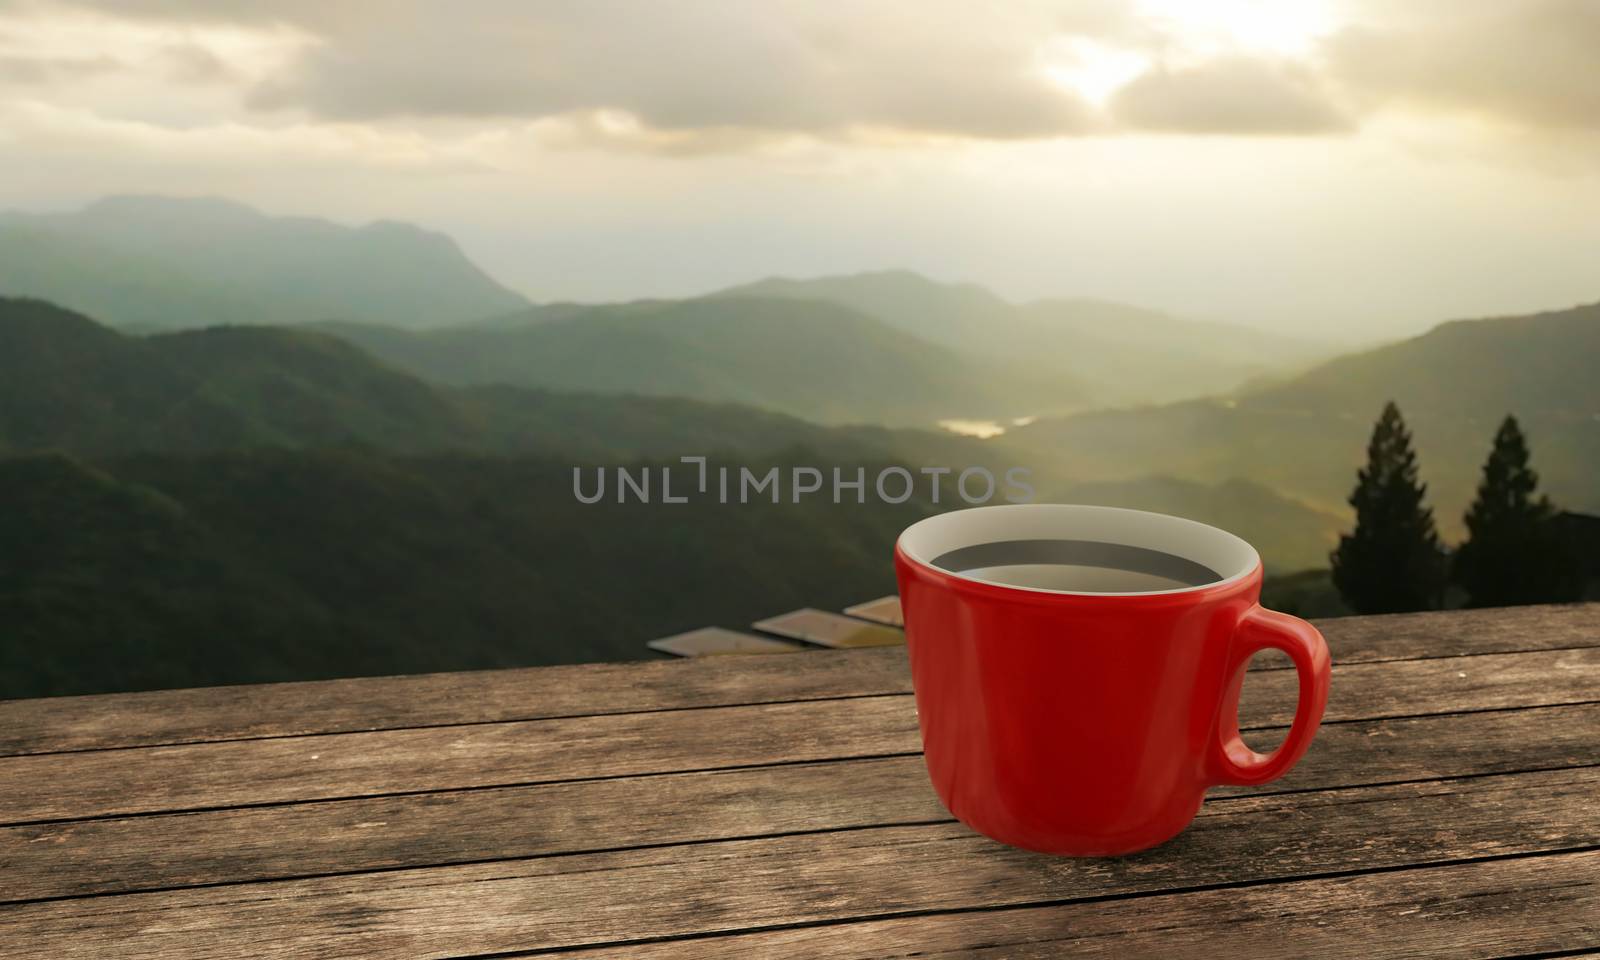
<point x="1392" y="561"/>
<point x="1513" y="552"/>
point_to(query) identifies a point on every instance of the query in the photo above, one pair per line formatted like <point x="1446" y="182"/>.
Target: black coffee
<point x="1081" y="566"/>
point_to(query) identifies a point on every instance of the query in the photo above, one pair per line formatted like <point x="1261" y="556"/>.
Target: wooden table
<point x="777" y="807"/>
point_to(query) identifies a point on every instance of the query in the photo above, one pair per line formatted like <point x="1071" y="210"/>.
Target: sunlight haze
<point x="1341" y="169"/>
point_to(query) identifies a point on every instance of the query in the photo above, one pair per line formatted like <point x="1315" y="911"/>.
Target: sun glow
<point x="1207" y="27"/>
<point x="1190" y="32"/>
<point x="1091" y="69"/>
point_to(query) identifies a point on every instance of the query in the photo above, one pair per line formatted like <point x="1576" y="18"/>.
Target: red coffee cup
<point x="1079" y="721"/>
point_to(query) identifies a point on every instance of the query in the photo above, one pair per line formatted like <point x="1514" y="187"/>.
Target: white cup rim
<point x="1230" y="556"/>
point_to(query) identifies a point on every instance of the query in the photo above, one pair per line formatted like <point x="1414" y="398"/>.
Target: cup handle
<point x="1233" y="761"/>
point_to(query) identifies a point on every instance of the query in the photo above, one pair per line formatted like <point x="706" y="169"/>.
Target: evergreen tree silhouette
<point x="1513" y="553"/>
<point x="1392" y="561"/>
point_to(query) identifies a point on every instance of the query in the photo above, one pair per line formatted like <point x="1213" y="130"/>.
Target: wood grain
<point x="726" y="886"/>
<point x="229" y="713"/>
<point x="437" y="699"/>
<point x="1504" y="908"/>
<point x="200" y="776"/>
<point x="154" y="852"/>
<point x="1443" y="633"/>
<point x="153" y="779"/>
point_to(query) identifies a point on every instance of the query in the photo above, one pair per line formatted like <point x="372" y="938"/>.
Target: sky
<point x="1331" y="168"/>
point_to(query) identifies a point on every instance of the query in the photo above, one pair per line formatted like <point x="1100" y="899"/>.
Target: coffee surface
<point x="1080" y="566"/>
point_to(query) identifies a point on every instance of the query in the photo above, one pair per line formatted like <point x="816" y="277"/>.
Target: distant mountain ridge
<point x="917" y="350"/>
<point x="331" y="516"/>
<point x="334" y="446"/>
<point x="169" y="263"/>
<point x="1306" y="435"/>
<point x="1542" y="363"/>
<point x="68" y="383"/>
<point x="1120" y="353"/>
<point x="821" y="361"/>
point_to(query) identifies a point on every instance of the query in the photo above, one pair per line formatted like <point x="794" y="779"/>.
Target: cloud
<point x="1233" y="95"/>
<point x="1533" y="63"/>
<point x="61" y="133"/>
<point x="700" y="76"/>
<point x="33" y="70"/>
<point x="192" y="63"/>
<point x="778" y="67"/>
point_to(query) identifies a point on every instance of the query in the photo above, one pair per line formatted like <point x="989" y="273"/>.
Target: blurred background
<point x="308" y="311"/>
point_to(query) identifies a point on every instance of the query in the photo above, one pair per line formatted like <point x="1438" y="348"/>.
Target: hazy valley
<point x="348" y="450"/>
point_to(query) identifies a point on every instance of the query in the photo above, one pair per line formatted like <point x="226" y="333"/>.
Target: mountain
<point x="161" y="571"/>
<point x="1306" y="436"/>
<point x="150" y="571"/>
<point x="1543" y="363"/>
<point x="1121" y="354"/>
<point x="245" y="504"/>
<point x="820" y="361"/>
<point x="67" y="382"/>
<point x="71" y="384"/>
<point x="1134" y="355"/>
<point x="169" y="263"/>
<point x="961" y="315"/>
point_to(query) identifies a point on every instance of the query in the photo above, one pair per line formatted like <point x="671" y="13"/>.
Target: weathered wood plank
<point x="1446" y="633"/>
<point x="195" y="776"/>
<point x="751" y="884"/>
<point x="234" y="773"/>
<point x="1502" y="908"/>
<point x="227" y="713"/>
<point x="154" y="852"/>
<point x="438" y="699"/>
